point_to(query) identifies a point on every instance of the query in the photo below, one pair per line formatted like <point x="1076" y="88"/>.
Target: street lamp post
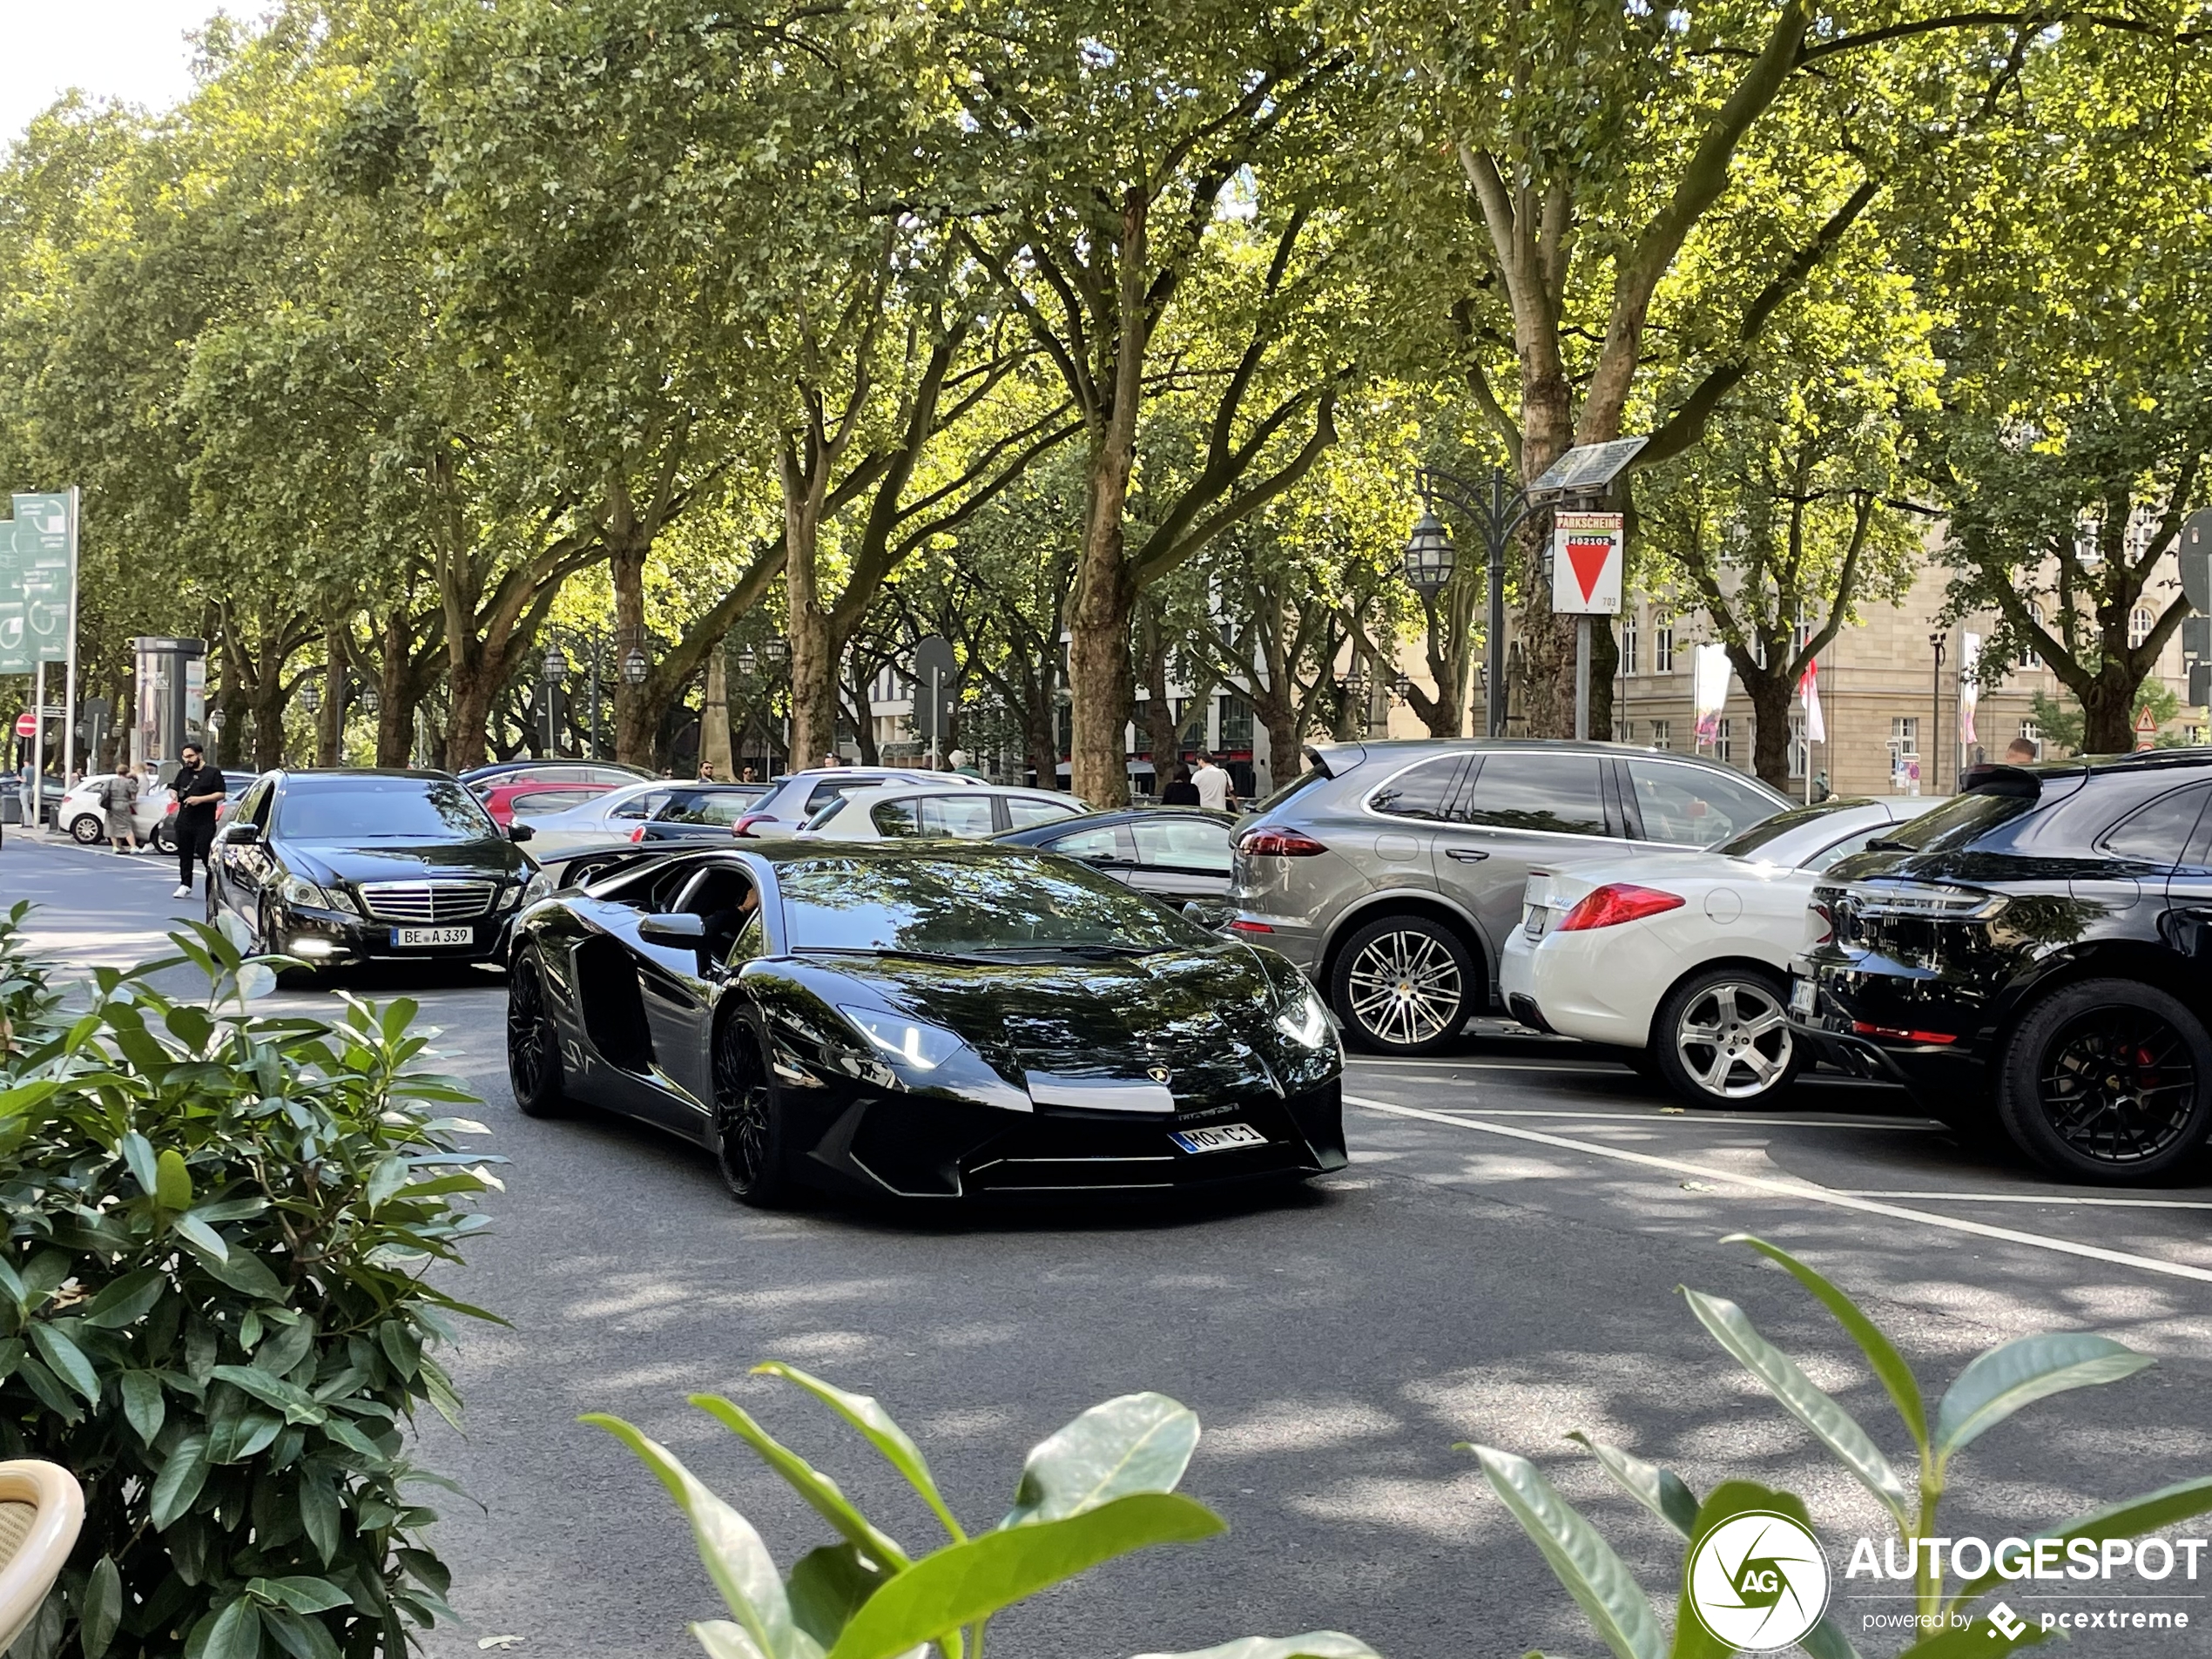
<point x="1935" y="719"/>
<point x="1495" y="506"/>
<point x="557" y="674"/>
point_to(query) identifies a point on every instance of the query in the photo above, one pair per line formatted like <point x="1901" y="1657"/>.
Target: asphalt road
<point x="1498" y="1263"/>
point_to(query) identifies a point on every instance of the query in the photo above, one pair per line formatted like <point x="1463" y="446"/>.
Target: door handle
<point x="1465" y="854"/>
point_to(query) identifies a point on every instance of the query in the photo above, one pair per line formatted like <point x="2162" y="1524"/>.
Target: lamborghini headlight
<point x="911" y="1045"/>
<point x="1305" y="1022"/>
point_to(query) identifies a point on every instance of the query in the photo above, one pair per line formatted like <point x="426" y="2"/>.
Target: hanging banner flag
<point x="1709" y="689"/>
<point x="1969" y="687"/>
<point x="1586" y="564"/>
<point x="1809" y="694"/>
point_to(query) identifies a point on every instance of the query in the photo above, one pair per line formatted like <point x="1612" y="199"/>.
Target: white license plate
<point x="403" y="936"/>
<point x="1533" y="923"/>
<point x="1217" y="1139"/>
<point x="1802" y="992"/>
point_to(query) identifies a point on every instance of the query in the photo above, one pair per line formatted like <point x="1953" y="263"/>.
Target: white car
<point x="82" y="816"/>
<point x="609" y="817"/>
<point x="937" y="810"/>
<point x="1685" y="955"/>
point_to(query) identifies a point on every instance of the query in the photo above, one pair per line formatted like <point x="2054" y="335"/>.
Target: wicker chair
<point x="41" y="1509"/>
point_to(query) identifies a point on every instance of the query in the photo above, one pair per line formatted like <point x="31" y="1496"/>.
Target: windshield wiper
<point x="1888" y="847"/>
<point x="1047" y="948"/>
<point x="892" y="950"/>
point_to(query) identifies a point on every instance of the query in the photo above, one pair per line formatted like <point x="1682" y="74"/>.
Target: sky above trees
<point x="133" y="51"/>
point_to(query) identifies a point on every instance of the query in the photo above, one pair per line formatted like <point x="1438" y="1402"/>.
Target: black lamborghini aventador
<point x="929" y="1022"/>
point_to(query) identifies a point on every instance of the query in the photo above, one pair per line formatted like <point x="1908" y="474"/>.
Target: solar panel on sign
<point x="1587" y="467"/>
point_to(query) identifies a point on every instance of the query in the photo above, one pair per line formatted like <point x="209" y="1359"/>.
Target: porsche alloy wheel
<point x="533" y="1041"/>
<point x="1401" y="985"/>
<point x="748" y="1128"/>
<point x="2109" y="1080"/>
<point x="1724" y="1040"/>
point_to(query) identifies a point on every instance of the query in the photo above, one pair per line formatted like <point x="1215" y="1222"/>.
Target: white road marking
<point x="1590" y="1068"/>
<point x="1911" y="1126"/>
<point x="2037" y="1198"/>
<point x="1793" y="1190"/>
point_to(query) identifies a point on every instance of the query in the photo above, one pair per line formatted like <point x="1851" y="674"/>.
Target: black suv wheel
<point x="1404" y="985"/>
<point x="2109" y="1080"/>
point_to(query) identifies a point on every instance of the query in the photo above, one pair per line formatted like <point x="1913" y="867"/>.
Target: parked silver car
<point x="1393" y="872"/>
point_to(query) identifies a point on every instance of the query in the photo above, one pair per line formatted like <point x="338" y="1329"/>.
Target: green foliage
<point x="212" y="1309"/>
<point x="1992" y="1387"/>
<point x="2061" y="719"/>
<point x="1100" y="1488"/>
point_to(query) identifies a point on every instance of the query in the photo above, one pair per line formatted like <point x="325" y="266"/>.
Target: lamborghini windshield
<point x="918" y="905"/>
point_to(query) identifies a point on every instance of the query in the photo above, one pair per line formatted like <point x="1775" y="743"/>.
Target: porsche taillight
<point x="1265" y="843"/>
<point x="744" y="826"/>
<point x="1615" y="903"/>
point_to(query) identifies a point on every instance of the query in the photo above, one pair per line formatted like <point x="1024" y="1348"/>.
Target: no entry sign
<point x="1586" y="564"/>
<point x="26" y="724"/>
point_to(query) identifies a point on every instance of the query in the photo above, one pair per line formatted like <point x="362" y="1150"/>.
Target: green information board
<point x="35" y="581"/>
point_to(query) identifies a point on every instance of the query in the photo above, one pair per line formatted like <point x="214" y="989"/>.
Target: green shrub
<point x="1101" y="1487"/>
<point x="212" y="1306"/>
<point x="1991" y="1388"/>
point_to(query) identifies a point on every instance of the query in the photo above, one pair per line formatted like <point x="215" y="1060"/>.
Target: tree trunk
<point x="1769" y="694"/>
<point x="1284" y="760"/>
<point x="2108" y="711"/>
<point x="813" y="650"/>
<point x="636" y="716"/>
<point x="714" y="719"/>
<point x="330" y="720"/>
<point x="1605" y="663"/>
<point x="268" y="706"/>
<point x="1099" y="609"/>
<point x="470" y="683"/>
<point x="395" y="693"/>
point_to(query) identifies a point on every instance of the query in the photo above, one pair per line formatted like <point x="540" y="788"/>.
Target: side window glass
<point x="1424" y="791"/>
<point x="1182" y="843"/>
<point x="2157" y="835"/>
<point x="1694" y="805"/>
<point x="1855" y="842"/>
<point x="1530" y="789"/>
<point x="1021" y="811"/>
<point x="894" y="818"/>
<point x="751" y="942"/>
<point x="643" y="806"/>
<point x="963" y="816"/>
<point x="255" y="807"/>
<point x="1087" y="844"/>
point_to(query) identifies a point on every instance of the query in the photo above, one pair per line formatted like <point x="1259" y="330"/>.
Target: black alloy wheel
<point x="533" y="1041"/>
<point x="2109" y="1081"/>
<point x="164" y="839"/>
<point x="748" y="1124"/>
<point x="1721" y="1039"/>
<point x="1404" y="985"/>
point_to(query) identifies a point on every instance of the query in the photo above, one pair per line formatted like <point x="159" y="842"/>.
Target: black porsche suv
<point x="2038" y="949"/>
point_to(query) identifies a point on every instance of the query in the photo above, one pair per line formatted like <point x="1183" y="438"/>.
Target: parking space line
<point x="1908" y="1125"/>
<point x="2037" y="1198"/>
<point x="1792" y="1189"/>
<point x="1587" y="1069"/>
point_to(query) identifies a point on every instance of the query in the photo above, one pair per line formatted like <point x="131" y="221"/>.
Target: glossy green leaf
<point x="145" y="1406"/>
<point x="179" y="1481"/>
<point x="67" y="1360"/>
<point x="822" y="1494"/>
<point x="126" y="1300"/>
<point x="136" y="1153"/>
<point x="875" y="1426"/>
<point x="2129" y="1518"/>
<point x="201" y="1236"/>
<point x="299" y="1593"/>
<point x="1133" y="1443"/>
<point x="735" y="1558"/>
<point x="320" y="1515"/>
<point x="1896" y="1376"/>
<point x="1314" y="1644"/>
<point x="1661" y="1491"/>
<point x="1582" y="1561"/>
<point x="172" y="1180"/>
<point x="1837" y="1428"/>
<point x="237" y="1634"/>
<point x="303" y="1638"/>
<point x="288" y="1398"/>
<point x="2019" y="1373"/>
<point x="974" y="1578"/>
<point x="101" y="1611"/>
<point x="827" y="1586"/>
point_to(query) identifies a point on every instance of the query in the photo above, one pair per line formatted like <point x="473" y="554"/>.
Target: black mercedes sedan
<point x="930" y="1020"/>
<point x="337" y="867"/>
<point x="2037" y="952"/>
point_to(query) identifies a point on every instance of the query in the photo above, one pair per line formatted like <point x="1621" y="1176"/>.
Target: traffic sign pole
<point x="68" y="674"/>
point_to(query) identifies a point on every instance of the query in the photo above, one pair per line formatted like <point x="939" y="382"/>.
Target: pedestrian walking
<point x="199" y="792"/>
<point x="1180" y="791"/>
<point x="119" y="800"/>
<point x="1215" y="789"/>
<point x="963" y="762"/>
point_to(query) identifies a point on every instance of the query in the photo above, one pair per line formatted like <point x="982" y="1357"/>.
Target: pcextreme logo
<point x="1759" y="1581"/>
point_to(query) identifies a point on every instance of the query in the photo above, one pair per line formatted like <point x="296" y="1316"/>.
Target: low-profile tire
<point x="533" y="1041"/>
<point x="2109" y="1080"/>
<point x="86" y="830"/>
<point x="1404" y="985"/>
<point x="749" y="1131"/>
<point x="1721" y="1038"/>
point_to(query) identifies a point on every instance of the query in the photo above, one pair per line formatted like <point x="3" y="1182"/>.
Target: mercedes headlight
<point x="295" y="891"/>
<point x="910" y="1045"/>
<point x="1305" y="1022"/>
<point x="509" y="898"/>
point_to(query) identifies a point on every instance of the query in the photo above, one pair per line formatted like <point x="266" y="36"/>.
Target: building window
<point x="1662" y="648"/>
<point x="2030" y="657"/>
<point x="2031" y="732"/>
<point x="1904" y="735"/>
<point x="1723" y="741"/>
<point x="1801" y="633"/>
<point x="2138" y="626"/>
<point x="1235" y="722"/>
<point x="1800" y="752"/>
<point x="1662" y="735"/>
<point x="1629" y="644"/>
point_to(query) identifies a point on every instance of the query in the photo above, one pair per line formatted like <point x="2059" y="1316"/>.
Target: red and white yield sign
<point x="1586" y="564"/>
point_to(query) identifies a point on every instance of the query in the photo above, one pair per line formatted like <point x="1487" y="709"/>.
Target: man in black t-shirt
<point x="199" y="792"/>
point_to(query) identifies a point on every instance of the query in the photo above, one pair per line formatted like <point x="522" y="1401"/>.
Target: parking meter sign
<point x="1586" y="564"/>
